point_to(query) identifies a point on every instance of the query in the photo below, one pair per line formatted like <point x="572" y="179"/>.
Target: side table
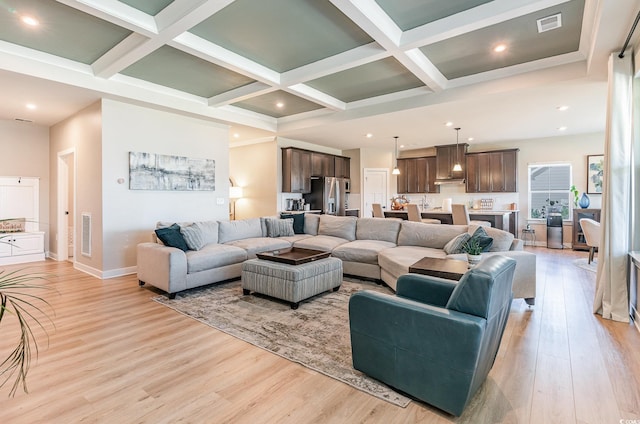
<point x="530" y="235"/>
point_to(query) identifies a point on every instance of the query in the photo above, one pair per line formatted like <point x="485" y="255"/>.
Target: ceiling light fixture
<point x="396" y="171"/>
<point x="236" y="135"/>
<point x="500" y="48"/>
<point x="563" y="128"/>
<point x="30" y="106"/>
<point x="457" y="167"/>
<point x="448" y="124"/>
<point x="280" y="105"/>
<point x="369" y="135"/>
<point x="562" y="108"/>
<point x="28" y="20"/>
<point x="470" y="139"/>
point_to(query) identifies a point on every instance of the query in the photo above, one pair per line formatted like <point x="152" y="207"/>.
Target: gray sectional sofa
<point x="371" y="248"/>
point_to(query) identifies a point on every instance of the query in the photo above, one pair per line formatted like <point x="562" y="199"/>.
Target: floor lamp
<point x="235" y="193"/>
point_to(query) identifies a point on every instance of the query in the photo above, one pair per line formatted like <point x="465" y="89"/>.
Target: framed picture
<point x="595" y="170"/>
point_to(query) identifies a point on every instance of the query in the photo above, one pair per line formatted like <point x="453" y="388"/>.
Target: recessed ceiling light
<point x="470" y="139"/>
<point x="236" y="135"/>
<point x="369" y="135"/>
<point x="563" y="128"/>
<point x="402" y="146"/>
<point x="448" y="124"/>
<point x="31" y="106"/>
<point x="280" y="105"/>
<point x="500" y="48"/>
<point x="562" y="108"/>
<point x="28" y="20"/>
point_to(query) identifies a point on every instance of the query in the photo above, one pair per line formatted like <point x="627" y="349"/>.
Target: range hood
<point x="449" y="181"/>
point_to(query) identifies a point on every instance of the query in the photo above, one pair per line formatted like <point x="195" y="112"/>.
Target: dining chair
<point x="591" y="231"/>
<point x="377" y="210"/>
<point x="413" y="214"/>
<point x="460" y="216"/>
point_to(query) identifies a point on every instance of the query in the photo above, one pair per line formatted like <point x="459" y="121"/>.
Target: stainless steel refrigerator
<point x="329" y="195"/>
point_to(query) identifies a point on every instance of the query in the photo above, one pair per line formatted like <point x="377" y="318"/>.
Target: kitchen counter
<point x="503" y="219"/>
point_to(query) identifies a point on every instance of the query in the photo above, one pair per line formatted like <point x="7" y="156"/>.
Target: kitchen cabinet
<point x="296" y="170"/>
<point x="446" y="157"/>
<point x="417" y="175"/>
<point x="342" y="166"/>
<point x="492" y="172"/>
<point x="21" y="247"/>
<point x="322" y="165"/>
<point x="578" y="241"/>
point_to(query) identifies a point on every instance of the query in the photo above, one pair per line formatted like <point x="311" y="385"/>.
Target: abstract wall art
<point x="151" y="171"/>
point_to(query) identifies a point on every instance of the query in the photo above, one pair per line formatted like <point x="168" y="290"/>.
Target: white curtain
<point x="612" y="297"/>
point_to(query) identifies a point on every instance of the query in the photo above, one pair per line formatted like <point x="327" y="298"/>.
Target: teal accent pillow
<point x="483" y="239"/>
<point x="172" y="237"/>
<point x="298" y="221"/>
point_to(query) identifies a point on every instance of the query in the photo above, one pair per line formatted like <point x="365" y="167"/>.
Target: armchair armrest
<point x="425" y="289"/>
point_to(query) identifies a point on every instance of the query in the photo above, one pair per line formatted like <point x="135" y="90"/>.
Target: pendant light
<point x="457" y="167"/>
<point x="396" y="171"/>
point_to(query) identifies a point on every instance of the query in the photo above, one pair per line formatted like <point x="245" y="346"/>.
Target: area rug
<point x="315" y="335"/>
<point x="583" y="263"/>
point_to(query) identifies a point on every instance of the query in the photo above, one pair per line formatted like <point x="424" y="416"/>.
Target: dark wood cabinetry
<point x="446" y="157"/>
<point x="417" y="175"/>
<point x="296" y="171"/>
<point x="299" y="165"/>
<point x="322" y="165"/>
<point x="492" y="172"/>
<point x="578" y="241"/>
<point x="342" y="166"/>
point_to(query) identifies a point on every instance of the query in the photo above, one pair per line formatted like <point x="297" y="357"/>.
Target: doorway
<point x="66" y="205"/>
<point x="374" y="189"/>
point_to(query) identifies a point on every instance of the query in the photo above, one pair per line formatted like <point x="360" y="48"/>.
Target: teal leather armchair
<point x="436" y="339"/>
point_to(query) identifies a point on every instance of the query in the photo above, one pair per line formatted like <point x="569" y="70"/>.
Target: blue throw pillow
<point x="298" y="221"/>
<point x="483" y="239"/>
<point x="172" y="237"/>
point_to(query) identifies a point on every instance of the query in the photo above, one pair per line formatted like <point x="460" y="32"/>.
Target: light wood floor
<point x="115" y="356"/>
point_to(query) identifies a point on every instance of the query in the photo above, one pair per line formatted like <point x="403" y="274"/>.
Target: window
<point x="549" y="190"/>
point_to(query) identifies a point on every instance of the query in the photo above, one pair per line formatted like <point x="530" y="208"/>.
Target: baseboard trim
<point x="113" y="273"/>
<point x="635" y="317"/>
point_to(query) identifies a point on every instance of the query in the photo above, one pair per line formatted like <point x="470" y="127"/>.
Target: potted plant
<point x="18" y="302"/>
<point x="474" y="251"/>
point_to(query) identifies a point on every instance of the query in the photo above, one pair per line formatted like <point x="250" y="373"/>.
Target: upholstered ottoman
<point x="292" y="283"/>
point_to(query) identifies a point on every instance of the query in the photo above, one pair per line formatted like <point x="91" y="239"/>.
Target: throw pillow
<point x="172" y="237"/>
<point x="298" y="221"/>
<point x="193" y="236"/>
<point x="483" y="239"/>
<point x="280" y="227"/>
<point x="456" y="245"/>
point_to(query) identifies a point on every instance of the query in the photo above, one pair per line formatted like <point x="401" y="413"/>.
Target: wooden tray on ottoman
<point x="293" y="255"/>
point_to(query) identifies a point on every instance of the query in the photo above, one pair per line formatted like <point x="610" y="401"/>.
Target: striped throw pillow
<point x="193" y="236"/>
<point x="279" y="227"/>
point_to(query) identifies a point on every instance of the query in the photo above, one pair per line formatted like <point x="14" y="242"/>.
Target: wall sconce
<point x="235" y="193"/>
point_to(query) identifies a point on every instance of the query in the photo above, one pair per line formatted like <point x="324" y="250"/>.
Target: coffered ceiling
<point x="324" y="71"/>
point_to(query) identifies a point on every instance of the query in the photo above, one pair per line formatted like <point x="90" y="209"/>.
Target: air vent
<point x="549" y="23"/>
<point x="26" y="121"/>
<point x="86" y="234"/>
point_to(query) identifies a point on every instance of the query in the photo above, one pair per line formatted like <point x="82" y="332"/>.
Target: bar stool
<point x="530" y="234"/>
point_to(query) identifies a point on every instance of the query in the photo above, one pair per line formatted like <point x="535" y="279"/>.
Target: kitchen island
<point x="503" y="219"/>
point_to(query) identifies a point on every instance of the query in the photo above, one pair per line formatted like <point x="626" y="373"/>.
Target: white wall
<point x="130" y="215"/>
<point x="25" y="153"/>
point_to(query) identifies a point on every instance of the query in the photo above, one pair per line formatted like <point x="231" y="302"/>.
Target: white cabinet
<point x="18" y="248"/>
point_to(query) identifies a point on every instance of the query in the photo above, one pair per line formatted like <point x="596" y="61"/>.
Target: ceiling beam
<point x="316" y="96"/>
<point x="241" y="93"/>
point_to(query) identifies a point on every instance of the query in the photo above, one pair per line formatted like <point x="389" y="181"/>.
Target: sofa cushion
<point x="363" y="251"/>
<point x="397" y="260"/>
<point x="199" y="234"/>
<point x="428" y="235"/>
<point x="214" y="256"/>
<point x="378" y="229"/>
<point x="279" y="227"/>
<point x="298" y="221"/>
<point x="238" y="230"/>
<point x="311" y="223"/>
<point x="456" y="245"/>
<point x="502" y="240"/>
<point x="338" y="226"/>
<point x="171" y="236"/>
<point x="296" y="237"/>
<point x="323" y="243"/>
<point x="260" y="244"/>
<point x="480" y="235"/>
